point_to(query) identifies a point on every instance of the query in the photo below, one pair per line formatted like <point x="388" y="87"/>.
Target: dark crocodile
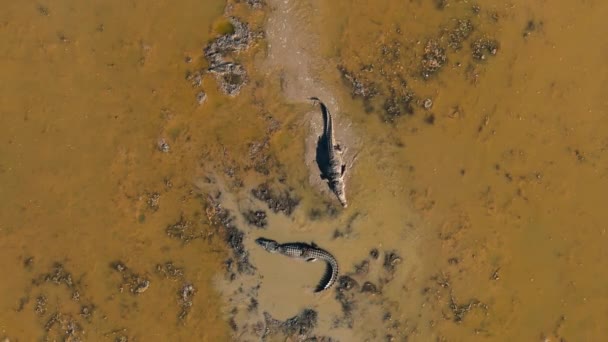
<point x="335" y="168"/>
<point x="308" y="253"/>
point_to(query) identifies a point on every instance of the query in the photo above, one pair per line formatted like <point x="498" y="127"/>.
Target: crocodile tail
<point x="329" y="277"/>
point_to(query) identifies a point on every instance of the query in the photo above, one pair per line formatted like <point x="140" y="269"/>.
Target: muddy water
<point x="87" y="92"/>
<point x="485" y="207"/>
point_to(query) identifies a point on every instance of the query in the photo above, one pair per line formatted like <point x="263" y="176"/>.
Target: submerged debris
<point x="136" y="283"/>
<point x="366" y="90"/>
<point x="460" y="33"/>
<point x="345" y="295"/>
<point x="186" y="294"/>
<point x="40" y="307"/>
<point x="201" y="97"/>
<point x="278" y="201"/>
<point x="300" y="326"/>
<point x="153" y="201"/>
<point x="220" y="217"/>
<point x="433" y="59"/>
<point x="170" y="271"/>
<point x="183" y="230"/>
<point x="398" y="103"/>
<point x="59" y="276"/>
<point x="481" y="47"/>
<point x="256" y="218"/>
<point x="391" y="260"/>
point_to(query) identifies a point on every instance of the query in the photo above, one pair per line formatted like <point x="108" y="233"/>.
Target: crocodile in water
<point x="306" y="252"/>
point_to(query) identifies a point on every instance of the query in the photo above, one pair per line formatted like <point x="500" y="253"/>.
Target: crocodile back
<point x="304" y="251"/>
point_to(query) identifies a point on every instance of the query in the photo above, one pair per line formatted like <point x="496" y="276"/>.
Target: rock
<point x="391" y="260"/>
<point x="163" y="146"/>
<point x="201" y="97"/>
<point x="231" y="76"/>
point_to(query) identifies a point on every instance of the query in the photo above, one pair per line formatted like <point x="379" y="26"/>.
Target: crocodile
<point x="308" y="253"/>
<point x="335" y="169"/>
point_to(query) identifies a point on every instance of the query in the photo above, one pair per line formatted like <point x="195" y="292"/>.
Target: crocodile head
<point x="269" y="245"/>
<point x="339" y="189"/>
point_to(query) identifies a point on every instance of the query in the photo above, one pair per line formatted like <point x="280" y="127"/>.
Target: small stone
<point x="201" y="97"/>
<point x="163" y="146"/>
<point x="427" y="104"/>
<point x="141" y="286"/>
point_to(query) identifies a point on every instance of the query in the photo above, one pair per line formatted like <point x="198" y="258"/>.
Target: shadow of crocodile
<point x="322" y="153"/>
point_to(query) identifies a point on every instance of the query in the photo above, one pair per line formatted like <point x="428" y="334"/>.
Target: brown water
<point x="492" y="197"/>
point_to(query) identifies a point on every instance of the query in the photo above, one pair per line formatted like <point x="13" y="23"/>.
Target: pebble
<point x="427" y="104"/>
<point x="163" y="146"/>
<point x="201" y="97"/>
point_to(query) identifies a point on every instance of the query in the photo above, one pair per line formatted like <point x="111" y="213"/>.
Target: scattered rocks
<point x="398" y="103"/>
<point x="300" y="327"/>
<point x="238" y="40"/>
<point x="201" y="97"/>
<point x="183" y="230"/>
<point x="59" y="276"/>
<point x="231" y="76"/>
<point x="153" y="201"/>
<point x="195" y="78"/>
<point x="221" y="218"/>
<point x="278" y="201"/>
<point x="483" y="46"/>
<point x="169" y="271"/>
<point x="137" y="284"/>
<point x="460" y="311"/>
<point x="433" y="59"/>
<point x="40" y="307"/>
<point x="62" y="327"/>
<point x="256" y="218"/>
<point x="345" y="295"/>
<point x="391" y="260"/>
<point x="365" y="90"/>
<point x="460" y="33"/>
<point x="186" y="294"/>
<point x="261" y="159"/>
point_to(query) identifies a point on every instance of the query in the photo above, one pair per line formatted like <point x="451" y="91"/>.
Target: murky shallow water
<point x="491" y="198"/>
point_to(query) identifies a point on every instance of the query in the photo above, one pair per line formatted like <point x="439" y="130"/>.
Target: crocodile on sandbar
<point x="308" y="253"/>
<point x="334" y="169"/>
